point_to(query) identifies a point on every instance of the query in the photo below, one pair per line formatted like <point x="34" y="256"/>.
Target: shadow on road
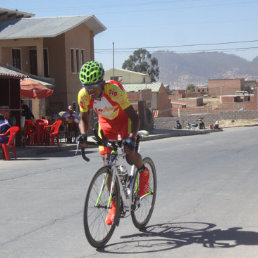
<point x="167" y="236"/>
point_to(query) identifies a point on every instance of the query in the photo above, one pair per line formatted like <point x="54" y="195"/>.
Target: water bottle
<point x="122" y="172"/>
<point x="123" y="175"/>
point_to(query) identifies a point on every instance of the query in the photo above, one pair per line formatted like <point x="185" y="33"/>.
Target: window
<point x="16" y="55"/>
<point x="82" y="57"/>
<point x="77" y="59"/>
<point x="46" y="69"/>
<point x="72" y="61"/>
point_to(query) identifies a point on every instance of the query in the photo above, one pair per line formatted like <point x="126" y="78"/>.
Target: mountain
<point x="179" y="70"/>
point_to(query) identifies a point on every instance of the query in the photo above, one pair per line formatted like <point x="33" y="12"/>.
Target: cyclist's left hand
<point x="129" y="143"/>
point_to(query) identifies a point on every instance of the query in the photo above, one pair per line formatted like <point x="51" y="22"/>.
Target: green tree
<point x="190" y="87"/>
<point x="141" y="61"/>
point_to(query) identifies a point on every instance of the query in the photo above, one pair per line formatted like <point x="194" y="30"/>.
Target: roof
<point x="126" y="71"/>
<point x="154" y="87"/>
<point x="46" y="27"/>
<point x="46" y="81"/>
<point x="7" y="73"/>
<point x="14" y="13"/>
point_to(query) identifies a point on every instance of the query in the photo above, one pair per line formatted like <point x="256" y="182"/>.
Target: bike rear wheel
<point x="96" y="209"/>
<point x="143" y="207"/>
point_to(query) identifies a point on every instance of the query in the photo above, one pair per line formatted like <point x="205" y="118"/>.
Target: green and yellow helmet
<point x="91" y="73"/>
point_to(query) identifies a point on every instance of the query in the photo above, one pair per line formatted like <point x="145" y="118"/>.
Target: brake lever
<point x="82" y="152"/>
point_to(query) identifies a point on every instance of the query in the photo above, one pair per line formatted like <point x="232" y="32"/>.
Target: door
<point x="33" y="62"/>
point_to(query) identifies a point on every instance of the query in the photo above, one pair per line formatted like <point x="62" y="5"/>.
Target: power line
<point x="179" y="46"/>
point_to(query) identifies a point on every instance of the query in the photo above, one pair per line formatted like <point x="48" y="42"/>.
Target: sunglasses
<point x="91" y="86"/>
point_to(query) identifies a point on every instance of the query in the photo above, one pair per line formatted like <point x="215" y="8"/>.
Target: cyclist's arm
<point x="134" y="119"/>
<point x="84" y="122"/>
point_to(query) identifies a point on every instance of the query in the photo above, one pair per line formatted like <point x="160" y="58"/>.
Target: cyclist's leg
<point x="144" y="205"/>
<point x="136" y="159"/>
<point x="105" y="154"/>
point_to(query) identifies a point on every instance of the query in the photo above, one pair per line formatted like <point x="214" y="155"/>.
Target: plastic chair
<point x="52" y="132"/>
<point x="11" y="142"/>
<point x="29" y="132"/>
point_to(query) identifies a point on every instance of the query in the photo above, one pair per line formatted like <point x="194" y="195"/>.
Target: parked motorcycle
<point x="194" y="126"/>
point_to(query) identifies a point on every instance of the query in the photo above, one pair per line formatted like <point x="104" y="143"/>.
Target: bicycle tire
<point x="96" y="231"/>
<point x="142" y="209"/>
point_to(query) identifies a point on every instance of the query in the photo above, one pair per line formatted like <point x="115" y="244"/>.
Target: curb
<point x="30" y="151"/>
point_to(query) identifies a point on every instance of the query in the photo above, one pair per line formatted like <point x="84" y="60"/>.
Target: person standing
<point x="26" y="112"/>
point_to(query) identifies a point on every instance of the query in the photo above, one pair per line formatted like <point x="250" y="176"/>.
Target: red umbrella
<point x="34" y="89"/>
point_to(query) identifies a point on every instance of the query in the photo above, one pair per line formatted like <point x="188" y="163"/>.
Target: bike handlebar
<point x="112" y="144"/>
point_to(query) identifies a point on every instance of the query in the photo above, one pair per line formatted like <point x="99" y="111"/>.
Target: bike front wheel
<point x="142" y="207"/>
<point x="96" y="208"/>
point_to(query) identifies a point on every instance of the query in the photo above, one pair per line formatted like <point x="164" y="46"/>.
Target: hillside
<point x="178" y="70"/>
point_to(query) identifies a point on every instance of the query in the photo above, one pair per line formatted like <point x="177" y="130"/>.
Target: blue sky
<point x="182" y="26"/>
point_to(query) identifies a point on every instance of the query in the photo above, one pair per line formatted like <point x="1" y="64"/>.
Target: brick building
<point x="218" y="87"/>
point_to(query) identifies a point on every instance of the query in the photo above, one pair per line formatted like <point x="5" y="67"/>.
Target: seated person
<point x="216" y="125"/>
<point x="4" y="126"/>
<point x="178" y="125"/>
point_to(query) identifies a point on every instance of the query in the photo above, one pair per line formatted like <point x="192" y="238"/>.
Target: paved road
<point x="206" y="204"/>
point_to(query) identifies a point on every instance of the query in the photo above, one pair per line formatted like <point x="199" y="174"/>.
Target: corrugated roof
<point x="47" y="27"/>
<point x="126" y="71"/>
<point x="143" y="86"/>
<point x="15" y="13"/>
<point x="4" y="72"/>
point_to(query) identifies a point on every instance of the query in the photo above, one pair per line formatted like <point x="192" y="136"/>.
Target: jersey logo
<point x="112" y="92"/>
<point x="105" y="109"/>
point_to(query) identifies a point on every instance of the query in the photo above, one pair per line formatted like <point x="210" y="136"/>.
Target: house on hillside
<point x="155" y="95"/>
<point x="218" y="87"/>
<point x="234" y="94"/>
<point x="52" y="48"/>
<point x="126" y="76"/>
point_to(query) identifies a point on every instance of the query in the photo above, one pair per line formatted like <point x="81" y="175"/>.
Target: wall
<point x="163" y="102"/>
<point x="170" y="122"/>
<point x="224" y="86"/>
<point x="79" y="38"/>
<point x="135" y="97"/>
<point x="192" y="102"/>
<point x="57" y="69"/>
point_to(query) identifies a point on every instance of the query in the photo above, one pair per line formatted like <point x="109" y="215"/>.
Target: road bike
<point x="114" y="181"/>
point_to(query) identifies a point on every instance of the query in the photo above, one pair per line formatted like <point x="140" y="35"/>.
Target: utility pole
<point x="113" y="60"/>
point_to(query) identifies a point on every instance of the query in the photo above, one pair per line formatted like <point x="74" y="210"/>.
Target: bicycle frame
<point x="125" y="192"/>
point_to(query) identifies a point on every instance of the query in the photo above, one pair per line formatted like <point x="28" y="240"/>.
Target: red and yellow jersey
<point x="110" y="107"/>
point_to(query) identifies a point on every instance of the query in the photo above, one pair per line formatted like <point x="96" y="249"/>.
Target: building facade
<point x="53" y="49"/>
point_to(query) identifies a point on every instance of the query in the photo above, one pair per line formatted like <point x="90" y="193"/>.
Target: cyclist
<point x="115" y="116"/>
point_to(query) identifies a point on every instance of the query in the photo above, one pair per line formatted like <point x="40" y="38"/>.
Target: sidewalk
<point x="30" y="151"/>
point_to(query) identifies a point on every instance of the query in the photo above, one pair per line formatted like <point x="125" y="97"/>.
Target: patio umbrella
<point x="34" y="89"/>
